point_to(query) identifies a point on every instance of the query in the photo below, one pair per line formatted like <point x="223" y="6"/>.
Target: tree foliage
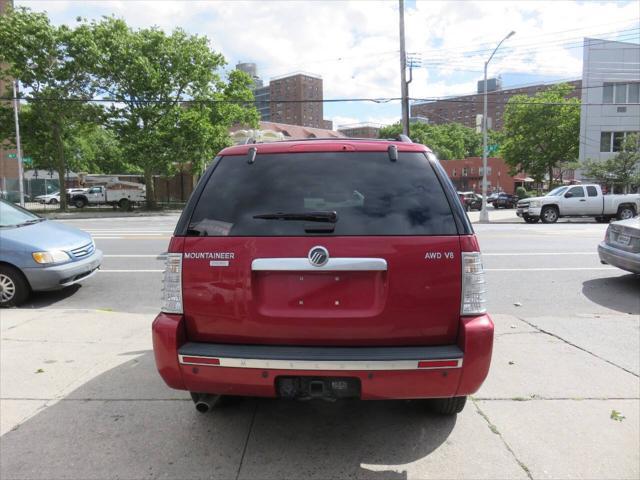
<point x="622" y="170"/>
<point x="53" y="64"/>
<point x="541" y="132"/>
<point x="166" y="88"/>
<point x="166" y="103"/>
<point x="448" y="141"/>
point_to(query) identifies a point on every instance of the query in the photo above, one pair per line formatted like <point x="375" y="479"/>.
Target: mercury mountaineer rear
<point x="324" y="269"/>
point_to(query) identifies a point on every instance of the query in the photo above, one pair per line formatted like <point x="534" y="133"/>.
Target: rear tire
<point x="53" y="201"/>
<point x="14" y="289"/>
<point x="447" y="406"/>
<point x="124" y="204"/>
<point x="626" y="212"/>
<point x="549" y="215"/>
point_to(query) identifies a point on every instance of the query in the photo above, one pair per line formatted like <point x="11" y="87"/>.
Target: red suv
<point x="324" y="269"/>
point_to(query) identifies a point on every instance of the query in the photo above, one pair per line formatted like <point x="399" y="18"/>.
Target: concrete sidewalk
<point x="80" y="398"/>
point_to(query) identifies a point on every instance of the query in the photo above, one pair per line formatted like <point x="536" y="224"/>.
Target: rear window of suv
<point x="370" y="194"/>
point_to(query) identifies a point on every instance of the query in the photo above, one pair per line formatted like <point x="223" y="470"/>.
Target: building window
<point x="620" y="92"/>
<point x="605" y="142"/>
<point x="613" y="141"/>
<point x="455" y="172"/>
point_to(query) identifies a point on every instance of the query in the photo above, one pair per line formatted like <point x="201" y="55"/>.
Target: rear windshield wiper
<point x="324" y="216"/>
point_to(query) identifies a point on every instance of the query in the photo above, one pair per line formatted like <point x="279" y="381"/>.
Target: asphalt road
<point x="80" y="396"/>
<point x="532" y="269"/>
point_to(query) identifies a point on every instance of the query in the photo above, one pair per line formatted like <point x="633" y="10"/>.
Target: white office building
<point x="610" y="97"/>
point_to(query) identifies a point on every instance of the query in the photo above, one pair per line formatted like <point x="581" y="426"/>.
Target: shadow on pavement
<point x="125" y="423"/>
<point x="46" y="299"/>
<point x="620" y="293"/>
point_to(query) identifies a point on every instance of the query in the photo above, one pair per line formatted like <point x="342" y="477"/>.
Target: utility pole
<point x="403" y="74"/>
<point x="18" y="146"/>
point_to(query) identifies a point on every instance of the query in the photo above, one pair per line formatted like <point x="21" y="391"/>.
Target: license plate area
<point x="623" y="239"/>
<point x="307" y="388"/>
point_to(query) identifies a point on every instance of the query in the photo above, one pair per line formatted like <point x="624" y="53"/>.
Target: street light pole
<point x="484" y="214"/>
<point x="404" y="92"/>
<point x="18" y="146"/>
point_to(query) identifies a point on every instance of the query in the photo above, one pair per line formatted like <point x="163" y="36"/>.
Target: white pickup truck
<point x="124" y="198"/>
<point x="578" y="201"/>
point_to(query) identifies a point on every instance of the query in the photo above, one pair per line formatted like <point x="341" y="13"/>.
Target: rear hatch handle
<point x="341" y="264"/>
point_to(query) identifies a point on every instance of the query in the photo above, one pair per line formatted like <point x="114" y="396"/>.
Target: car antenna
<point x="251" y="155"/>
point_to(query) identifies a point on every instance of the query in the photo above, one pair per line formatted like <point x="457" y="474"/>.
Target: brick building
<point x="294" y="88"/>
<point x="468" y="109"/>
<point x="466" y="175"/>
<point x="8" y="166"/>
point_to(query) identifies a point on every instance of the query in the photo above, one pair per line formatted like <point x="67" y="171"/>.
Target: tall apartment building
<point x="611" y="98"/>
<point x="8" y="166"/>
<point x="261" y="92"/>
<point x="292" y="89"/>
<point x="468" y="109"/>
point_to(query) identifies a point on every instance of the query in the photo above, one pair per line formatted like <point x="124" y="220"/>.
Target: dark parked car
<point x="324" y="269"/>
<point x="492" y="197"/>
<point x="470" y="200"/>
<point x="505" y="200"/>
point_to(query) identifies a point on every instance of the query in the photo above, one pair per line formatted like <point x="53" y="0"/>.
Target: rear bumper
<point x="384" y="373"/>
<point x="619" y="258"/>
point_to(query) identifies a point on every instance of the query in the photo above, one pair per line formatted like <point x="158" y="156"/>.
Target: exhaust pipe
<point x="205" y="402"/>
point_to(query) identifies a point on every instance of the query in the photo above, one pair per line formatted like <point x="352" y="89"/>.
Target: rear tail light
<point x="172" y="284"/>
<point x="474" y="293"/>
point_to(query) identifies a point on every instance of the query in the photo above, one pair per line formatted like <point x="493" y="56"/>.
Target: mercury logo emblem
<point x="318" y="256"/>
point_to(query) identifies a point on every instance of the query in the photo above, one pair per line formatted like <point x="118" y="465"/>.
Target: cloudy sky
<point x="353" y="45"/>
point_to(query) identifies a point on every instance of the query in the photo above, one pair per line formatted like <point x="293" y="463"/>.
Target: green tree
<point x="622" y="170"/>
<point x="169" y="99"/>
<point x="52" y="65"/>
<point x="448" y="141"/>
<point x="541" y="132"/>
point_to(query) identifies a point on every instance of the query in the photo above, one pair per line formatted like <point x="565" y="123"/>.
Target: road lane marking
<point x="130" y="271"/>
<point x="531" y="254"/>
<point x="546" y="269"/>
<point x="158" y="256"/>
<point x="131" y="238"/>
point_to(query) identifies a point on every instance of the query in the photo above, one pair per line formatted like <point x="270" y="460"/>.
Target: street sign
<point x="12" y="155"/>
<point x="28" y="160"/>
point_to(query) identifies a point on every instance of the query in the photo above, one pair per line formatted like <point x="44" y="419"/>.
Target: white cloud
<point x="354" y="44"/>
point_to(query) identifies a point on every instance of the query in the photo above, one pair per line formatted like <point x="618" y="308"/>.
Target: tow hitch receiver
<point x="327" y="388"/>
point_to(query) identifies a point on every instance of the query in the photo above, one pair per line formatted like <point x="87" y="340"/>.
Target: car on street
<point x="505" y="200"/>
<point x="492" y="197"/>
<point x="37" y="254"/>
<point x="471" y="200"/>
<point x="50" y="199"/>
<point x="324" y="268"/>
<point x="621" y="245"/>
<point x="578" y="201"/>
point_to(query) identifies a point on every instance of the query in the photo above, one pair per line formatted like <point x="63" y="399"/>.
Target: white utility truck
<point x="578" y="201"/>
<point x="121" y="194"/>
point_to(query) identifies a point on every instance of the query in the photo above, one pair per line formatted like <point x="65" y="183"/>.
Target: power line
<point x="327" y="100"/>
